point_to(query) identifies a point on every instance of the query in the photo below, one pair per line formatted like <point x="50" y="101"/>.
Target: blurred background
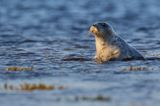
<point x="40" y="33"/>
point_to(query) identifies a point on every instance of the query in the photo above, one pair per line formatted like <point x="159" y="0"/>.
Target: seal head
<point x="101" y="29"/>
<point x="109" y="46"/>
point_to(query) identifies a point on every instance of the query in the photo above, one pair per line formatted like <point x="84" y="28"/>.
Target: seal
<point x="110" y="46"/>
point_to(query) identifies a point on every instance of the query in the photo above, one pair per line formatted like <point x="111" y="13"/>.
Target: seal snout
<point x="96" y="26"/>
<point x="94" y="29"/>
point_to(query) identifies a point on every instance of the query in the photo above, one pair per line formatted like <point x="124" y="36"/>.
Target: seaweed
<point x="135" y="68"/>
<point x="19" y="68"/>
<point x="31" y="87"/>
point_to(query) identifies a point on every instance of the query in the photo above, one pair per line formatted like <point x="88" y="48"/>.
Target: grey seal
<point x="110" y="46"/>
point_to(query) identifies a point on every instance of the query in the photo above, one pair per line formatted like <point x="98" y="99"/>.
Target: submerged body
<point x="109" y="46"/>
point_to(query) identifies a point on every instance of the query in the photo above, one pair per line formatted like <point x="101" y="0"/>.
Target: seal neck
<point x="100" y="44"/>
<point x="104" y="41"/>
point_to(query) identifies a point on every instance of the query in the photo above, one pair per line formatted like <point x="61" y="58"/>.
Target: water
<point x="41" y="33"/>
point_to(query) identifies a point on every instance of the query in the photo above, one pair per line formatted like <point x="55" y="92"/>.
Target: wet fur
<point x="109" y="46"/>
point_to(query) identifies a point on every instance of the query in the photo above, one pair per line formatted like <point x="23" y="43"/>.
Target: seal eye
<point x="103" y="24"/>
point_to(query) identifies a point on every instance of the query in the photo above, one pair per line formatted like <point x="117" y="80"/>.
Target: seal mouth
<point x="94" y="29"/>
